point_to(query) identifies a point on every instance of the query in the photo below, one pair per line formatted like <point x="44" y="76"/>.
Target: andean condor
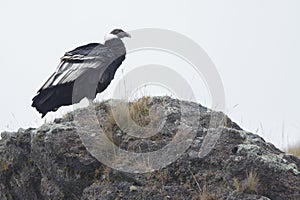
<point x="82" y="72"/>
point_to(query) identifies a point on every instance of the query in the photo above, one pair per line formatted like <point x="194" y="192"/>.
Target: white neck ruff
<point x="109" y="37"/>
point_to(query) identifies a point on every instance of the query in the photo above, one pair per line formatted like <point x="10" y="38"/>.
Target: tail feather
<point x="42" y="102"/>
<point x="52" y="98"/>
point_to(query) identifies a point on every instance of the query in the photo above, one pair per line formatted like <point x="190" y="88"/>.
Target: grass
<point x="203" y="193"/>
<point x="206" y="195"/>
<point x="138" y="111"/>
<point x="68" y="116"/>
<point x="249" y="185"/>
<point x="295" y="150"/>
<point x="4" y="167"/>
<point x="252" y="182"/>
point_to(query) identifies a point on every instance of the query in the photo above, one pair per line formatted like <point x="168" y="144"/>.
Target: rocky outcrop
<point x="222" y="161"/>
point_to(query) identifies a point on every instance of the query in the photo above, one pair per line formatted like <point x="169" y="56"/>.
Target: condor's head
<point x="117" y="33"/>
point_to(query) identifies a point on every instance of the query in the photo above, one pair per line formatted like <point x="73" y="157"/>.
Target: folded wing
<point x="84" y="63"/>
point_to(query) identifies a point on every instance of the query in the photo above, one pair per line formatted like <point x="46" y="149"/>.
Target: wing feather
<point x="77" y="62"/>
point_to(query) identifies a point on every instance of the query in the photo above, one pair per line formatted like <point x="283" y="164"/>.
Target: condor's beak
<point x="124" y="34"/>
<point x="127" y="35"/>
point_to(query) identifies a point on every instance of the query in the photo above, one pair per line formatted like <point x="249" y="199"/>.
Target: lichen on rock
<point x="52" y="162"/>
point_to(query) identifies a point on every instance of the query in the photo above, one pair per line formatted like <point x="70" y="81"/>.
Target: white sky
<point x="254" y="44"/>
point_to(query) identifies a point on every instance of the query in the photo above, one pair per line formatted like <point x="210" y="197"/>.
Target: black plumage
<point x="82" y="72"/>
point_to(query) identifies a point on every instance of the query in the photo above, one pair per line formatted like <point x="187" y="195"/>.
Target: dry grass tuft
<point x="139" y="111"/>
<point x="4" y="167"/>
<point x="294" y="150"/>
<point x="252" y="182"/>
<point x="249" y="185"/>
<point x="237" y="185"/>
<point x="203" y="194"/>
<point x="68" y="116"/>
<point x="122" y="114"/>
<point x="206" y="195"/>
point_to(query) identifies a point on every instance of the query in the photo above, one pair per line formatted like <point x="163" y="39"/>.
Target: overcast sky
<point x="254" y="44"/>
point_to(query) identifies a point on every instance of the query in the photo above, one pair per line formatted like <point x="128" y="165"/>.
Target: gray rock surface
<point x="51" y="162"/>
